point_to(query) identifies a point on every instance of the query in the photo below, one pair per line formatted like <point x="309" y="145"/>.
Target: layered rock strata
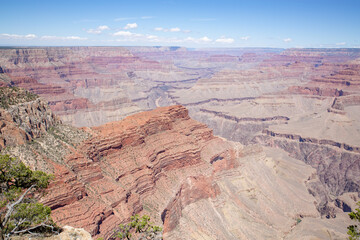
<point x="303" y="101"/>
<point x="108" y="177"/>
<point x="165" y="164"/>
<point x="83" y="83"/>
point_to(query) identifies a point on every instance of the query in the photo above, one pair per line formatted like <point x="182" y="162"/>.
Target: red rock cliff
<point x="137" y="165"/>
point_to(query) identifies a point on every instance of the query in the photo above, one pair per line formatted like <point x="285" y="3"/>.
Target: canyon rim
<point x="273" y="154"/>
<point x="219" y="120"/>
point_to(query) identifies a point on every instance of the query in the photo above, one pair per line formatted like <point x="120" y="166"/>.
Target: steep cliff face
<point x="337" y="169"/>
<point x="303" y="102"/>
<point x="23" y="117"/>
<point x="111" y="175"/>
<point x="165" y="164"/>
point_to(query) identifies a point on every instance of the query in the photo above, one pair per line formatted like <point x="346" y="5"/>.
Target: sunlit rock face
<point x="171" y="167"/>
<point x="300" y="105"/>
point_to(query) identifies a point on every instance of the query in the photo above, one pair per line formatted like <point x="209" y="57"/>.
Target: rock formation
<point x="300" y="105"/>
<point x="90" y="86"/>
<point x="165" y="164"/>
<point x="23" y="117"/>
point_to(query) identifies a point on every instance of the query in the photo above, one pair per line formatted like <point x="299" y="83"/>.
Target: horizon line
<point x="170" y="46"/>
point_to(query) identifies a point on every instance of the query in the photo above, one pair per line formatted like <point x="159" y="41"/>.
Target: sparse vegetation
<point x="353" y="230"/>
<point x="13" y="95"/>
<point x="139" y="228"/>
<point x="19" y="210"/>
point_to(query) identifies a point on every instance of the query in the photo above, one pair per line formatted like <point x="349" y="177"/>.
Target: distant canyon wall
<point x="302" y="102"/>
<point x="89" y="86"/>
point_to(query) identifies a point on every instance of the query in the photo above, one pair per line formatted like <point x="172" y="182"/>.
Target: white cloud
<point x="341" y="44"/>
<point x="74" y="38"/>
<point x="98" y="30"/>
<point x="93" y="31"/>
<point x="103" y="27"/>
<point x="147" y="17"/>
<point x="29" y="36"/>
<point x="175" y="29"/>
<point x="49" y="37"/>
<point x="287" y="40"/>
<point x="197" y="40"/>
<point x="127" y="34"/>
<point x="62" y="38"/>
<point x="6" y="35"/>
<point x="33" y="36"/>
<point x="205" y="39"/>
<point x="16" y="36"/>
<point x="134" y="37"/>
<point x="131" y="26"/>
<point x="123" y="33"/>
<point x="152" y="37"/>
<point x="245" y="38"/>
<point x="224" y="40"/>
<point x="190" y="39"/>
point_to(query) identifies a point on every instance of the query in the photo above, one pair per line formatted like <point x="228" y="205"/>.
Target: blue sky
<point x="189" y="23"/>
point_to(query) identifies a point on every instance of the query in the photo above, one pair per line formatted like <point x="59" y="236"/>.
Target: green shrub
<point x="13" y="95"/>
<point x="139" y="228"/>
<point x="353" y="230"/>
<point x="19" y="210"/>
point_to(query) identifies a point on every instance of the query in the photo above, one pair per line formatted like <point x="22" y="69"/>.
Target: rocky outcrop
<point x="325" y="142"/>
<point x="67" y="233"/>
<point x="337" y="170"/>
<point x="24" y="120"/>
<point x="164" y="164"/>
<point x="341" y="103"/>
<point x="195" y="189"/>
<point x="315" y="91"/>
<point x="111" y="175"/>
<point x="348" y="75"/>
<point x="246" y="119"/>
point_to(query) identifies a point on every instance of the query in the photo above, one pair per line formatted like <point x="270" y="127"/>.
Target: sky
<point x="188" y="23"/>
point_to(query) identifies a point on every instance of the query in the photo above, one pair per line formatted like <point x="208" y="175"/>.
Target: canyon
<point x="211" y="143"/>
